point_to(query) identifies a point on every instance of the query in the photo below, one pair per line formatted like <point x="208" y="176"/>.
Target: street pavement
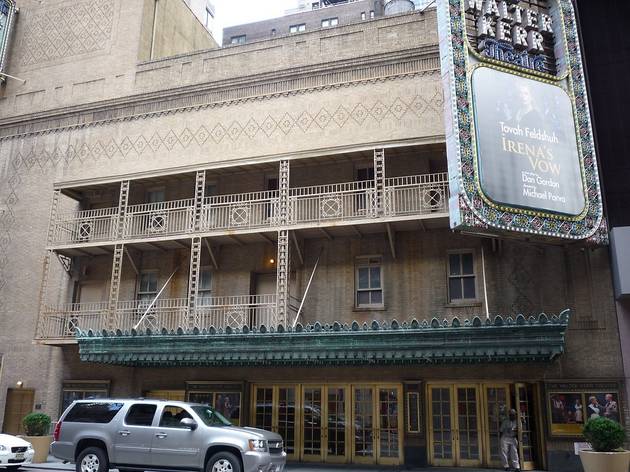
<point x="55" y="465"/>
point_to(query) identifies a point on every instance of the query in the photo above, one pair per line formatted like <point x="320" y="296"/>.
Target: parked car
<point x="14" y="452"/>
<point x="138" y="435"/>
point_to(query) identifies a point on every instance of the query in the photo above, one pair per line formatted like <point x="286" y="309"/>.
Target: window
<point x="315" y="6"/>
<point x="297" y="28"/>
<point x="369" y="287"/>
<point x="363" y="15"/>
<point x="93" y="412"/>
<point x="365" y="175"/>
<point x="273" y="31"/>
<point x="461" y="276"/>
<point x="228" y="404"/>
<point x="371" y="14"/>
<point x="141" y="414"/>
<point x="148" y="287"/>
<point x="204" y="292"/>
<point x="83" y="391"/>
<point x="330" y="22"/>
<point x="210" y="190"/>
<point x="156" y="196"/>
<point x="238" y="39"/>
<point x="172" y="417"/>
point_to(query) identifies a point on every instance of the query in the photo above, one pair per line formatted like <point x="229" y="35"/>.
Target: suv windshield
<point x="211" y="417"/>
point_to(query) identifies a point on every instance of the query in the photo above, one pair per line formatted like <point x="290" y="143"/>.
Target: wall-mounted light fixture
<point x="19" y="384"/>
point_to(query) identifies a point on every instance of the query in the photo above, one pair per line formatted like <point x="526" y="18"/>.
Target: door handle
<point x="161" y="435"/>
<point x="124" y="433"/>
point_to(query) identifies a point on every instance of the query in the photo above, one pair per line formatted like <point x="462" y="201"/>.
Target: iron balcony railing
<point x="317" y="205"/>
<point x="254" y="311"/>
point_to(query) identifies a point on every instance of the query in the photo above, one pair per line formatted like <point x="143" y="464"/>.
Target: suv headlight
<point x="2" y="448"/>
<point x="258" y="445"/>
<point x="29" y="447"/>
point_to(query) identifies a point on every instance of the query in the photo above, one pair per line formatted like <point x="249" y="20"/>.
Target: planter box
<point x="41" y="444"/>
<point x="605" y="461"/>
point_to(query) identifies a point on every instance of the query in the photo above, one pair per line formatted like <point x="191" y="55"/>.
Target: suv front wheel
<point x="92" y="459"/>
<point x="223" y="462"/>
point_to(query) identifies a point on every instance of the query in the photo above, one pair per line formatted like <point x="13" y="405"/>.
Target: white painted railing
<point x="315" y="205"/>
<point x="344" y="201"/>
<point x="240" y="211"/>
<point x="159" y="219"/>
<point x="219" y="312"/>
<point x="416" y="195"/>
<point x="84" y="226"/>
<point x="63" y="321"/>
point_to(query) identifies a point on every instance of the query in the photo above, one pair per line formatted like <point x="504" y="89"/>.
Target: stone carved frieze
<point x="71" y="29"/>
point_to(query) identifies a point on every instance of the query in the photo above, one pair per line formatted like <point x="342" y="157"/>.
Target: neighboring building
<point x="325" y="15"/>
<point x="206" y="12"/>
<point x="265" y="228"/>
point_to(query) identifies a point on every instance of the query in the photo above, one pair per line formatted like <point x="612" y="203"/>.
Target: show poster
<point x="526" y="143"/>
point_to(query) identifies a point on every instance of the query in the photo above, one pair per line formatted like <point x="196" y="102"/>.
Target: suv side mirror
<point x="189" y="423"/>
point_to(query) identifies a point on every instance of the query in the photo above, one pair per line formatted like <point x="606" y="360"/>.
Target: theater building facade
<point x="267" y="228"/>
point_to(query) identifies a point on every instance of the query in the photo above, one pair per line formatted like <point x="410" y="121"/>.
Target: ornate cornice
<point x="499" y="340"/>
<point x="376" y="68"/>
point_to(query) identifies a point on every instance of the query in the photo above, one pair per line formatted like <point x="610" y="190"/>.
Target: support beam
<point x="379" y="181"/>
<point x="114" y="287"/>
<point x="131" y="261"/>
<point x="211" y="252"/>
<point x="193" y="281"/>
<point x="42" y="329"/>
<point x="200" y="189"/>
<point x="236" y="240"/>
<point x="284" y="248"/>
<point x="356" y="231"/>
<point x="296" y="244"/>
<point x="180" y="244"/>
<point x="391" y="234"/>
<point x="123" y="202"/>
<point x="159" y="248"/>
<point x="326" y="234"/>
<point x="266" y="238"/>
<point x="66" y="263"/>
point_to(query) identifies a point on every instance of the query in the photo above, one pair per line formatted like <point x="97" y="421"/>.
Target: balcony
<point x="165" y="316"/>
<point x="402" y="198"/>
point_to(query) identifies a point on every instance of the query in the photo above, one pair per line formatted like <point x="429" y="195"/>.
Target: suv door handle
<point x="160" y="435"/>
<point x="124" y="433"/>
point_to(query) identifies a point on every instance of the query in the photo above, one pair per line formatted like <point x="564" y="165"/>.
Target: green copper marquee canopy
<point x="498" y="340"/>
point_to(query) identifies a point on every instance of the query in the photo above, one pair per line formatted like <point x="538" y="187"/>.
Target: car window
<point x="210" y="416"/>
<point x="93" y="412"/>
<point x="172" y="417"/>
<point x="141" y="414"/>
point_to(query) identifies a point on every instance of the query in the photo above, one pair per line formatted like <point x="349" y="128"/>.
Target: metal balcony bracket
<point x="296" y="245"/>
<point x="477" y="340"/>
<point x="211" y="251"/>
<point x="66" y="263"/>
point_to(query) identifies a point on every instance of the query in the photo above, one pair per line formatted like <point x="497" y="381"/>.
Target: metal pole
<point x="485" y="289"/>
<point x="307" y="287"/>
<point x="155" y="299"/>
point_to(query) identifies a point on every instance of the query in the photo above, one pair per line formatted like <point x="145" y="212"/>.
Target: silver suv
<point x="138" y="435"/>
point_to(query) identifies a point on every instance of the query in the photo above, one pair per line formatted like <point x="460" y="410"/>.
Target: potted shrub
<point x="37" y="428"/>
<point x="606" y="438"/>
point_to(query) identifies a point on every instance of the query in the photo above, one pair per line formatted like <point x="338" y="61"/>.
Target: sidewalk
<point x="56" y="464"/>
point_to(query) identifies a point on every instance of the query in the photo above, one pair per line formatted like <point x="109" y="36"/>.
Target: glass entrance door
<point x="497" y="406"/>
<point x="527" y="432"/>
<point x="377" y="425"/>
<point x="454" y="433"/>
<point x="276" y="409"/>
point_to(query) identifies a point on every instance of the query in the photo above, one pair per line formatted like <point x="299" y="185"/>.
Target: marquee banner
<point x="519" y="139"/>
<point x="7" y="11"/>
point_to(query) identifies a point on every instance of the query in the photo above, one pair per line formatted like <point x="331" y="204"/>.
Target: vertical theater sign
<point x="7" y="11"/>
<point x="519" y="138"/>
